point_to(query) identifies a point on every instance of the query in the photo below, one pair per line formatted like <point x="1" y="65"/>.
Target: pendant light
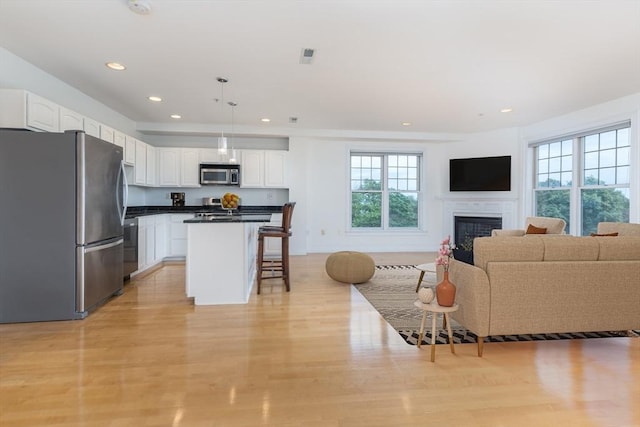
<point x="222" y="141"/>
<point x="233" y="158"/>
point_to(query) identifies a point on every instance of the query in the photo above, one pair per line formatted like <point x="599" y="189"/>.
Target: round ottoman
<point x="350" y="267"/>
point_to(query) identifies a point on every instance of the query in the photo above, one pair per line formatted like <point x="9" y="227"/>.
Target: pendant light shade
<point x="232" y="158"/>
<point x="222" y="141"/>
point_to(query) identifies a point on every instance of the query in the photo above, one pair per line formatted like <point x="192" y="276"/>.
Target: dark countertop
<point x="136" y="211"/>
<point x="223" y="218"/>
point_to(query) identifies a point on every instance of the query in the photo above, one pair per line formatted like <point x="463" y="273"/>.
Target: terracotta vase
<point x="446" y="291"/>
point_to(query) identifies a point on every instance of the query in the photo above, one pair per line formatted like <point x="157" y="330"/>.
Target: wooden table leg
<point x="433" y="336"/>
<point x="424" y="320"/>
<point x="446" y="316"/>
<point x="419" y="280"/>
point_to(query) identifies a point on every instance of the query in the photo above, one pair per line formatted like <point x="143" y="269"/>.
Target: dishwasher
<point x="130" y="258"/>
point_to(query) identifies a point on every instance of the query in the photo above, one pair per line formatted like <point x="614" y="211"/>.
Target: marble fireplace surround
<point x="499" y="208"/>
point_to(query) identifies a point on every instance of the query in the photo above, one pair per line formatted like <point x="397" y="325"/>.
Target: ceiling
<point x="444" y="66"/>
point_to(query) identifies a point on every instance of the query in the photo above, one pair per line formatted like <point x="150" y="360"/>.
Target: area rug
<point x="392" y="291"/>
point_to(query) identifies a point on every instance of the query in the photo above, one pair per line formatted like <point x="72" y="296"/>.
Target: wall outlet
<point x="269" y="195"/>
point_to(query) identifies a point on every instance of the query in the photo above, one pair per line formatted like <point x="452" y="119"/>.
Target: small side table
<point x="429" y="267"/>
<point x="434" y="308"/>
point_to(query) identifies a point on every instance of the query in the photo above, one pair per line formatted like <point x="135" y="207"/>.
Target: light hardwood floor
<point x="317" y="356"/>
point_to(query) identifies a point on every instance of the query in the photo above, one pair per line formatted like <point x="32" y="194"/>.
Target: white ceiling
<point x="445" y="66"/>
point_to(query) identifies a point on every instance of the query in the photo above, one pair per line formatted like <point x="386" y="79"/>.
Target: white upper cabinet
<point x="70" y="120"/>
<point x="209" y="155"/>
<point x="107" y="133"/>
<point x="169" y="167"/>
<point x="119" y="138"/>
<point x="178" y="167"/>
<point x="190" y="170"/>
<point x="42" y="113"/>
<point x="151" y="166"/>
<point x="264" y="169"/>
<point x="24" y="110"/>
<point x="140" y="168"/>
<point x="91" y="127"/>
<point x="252" y="168"/>
<point x="129" y="150"/>
<point x="275" y="169"/>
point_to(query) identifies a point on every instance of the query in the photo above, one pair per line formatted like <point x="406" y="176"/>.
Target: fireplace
<point x="466" y="228"/>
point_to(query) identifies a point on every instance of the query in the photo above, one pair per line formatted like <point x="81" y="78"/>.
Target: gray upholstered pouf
<point x="350" y="267"/>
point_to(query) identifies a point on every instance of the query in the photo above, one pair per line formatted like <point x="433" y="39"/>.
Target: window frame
<point x="578" y="184"/>
<point x="385" y="228"/>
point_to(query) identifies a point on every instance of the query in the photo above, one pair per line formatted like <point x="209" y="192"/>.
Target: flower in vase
<point x="445" y="253"/>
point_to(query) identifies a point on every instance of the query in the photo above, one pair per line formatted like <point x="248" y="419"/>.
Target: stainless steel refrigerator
<point x="62" y="206"/>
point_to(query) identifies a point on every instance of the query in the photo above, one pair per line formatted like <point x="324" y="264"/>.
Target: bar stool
<point x="281" y="265"/>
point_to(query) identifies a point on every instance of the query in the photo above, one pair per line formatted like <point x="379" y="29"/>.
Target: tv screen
<point x="480" y="174"/>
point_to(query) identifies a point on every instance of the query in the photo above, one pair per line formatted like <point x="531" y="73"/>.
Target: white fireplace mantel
<point x="502" y="208"/>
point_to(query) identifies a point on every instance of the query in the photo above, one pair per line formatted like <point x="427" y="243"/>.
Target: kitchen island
<point x="220" y="262"/>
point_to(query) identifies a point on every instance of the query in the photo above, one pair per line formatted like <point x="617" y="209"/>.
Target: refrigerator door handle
<point x="122" y="180"/>
<point x="102" y="247"/>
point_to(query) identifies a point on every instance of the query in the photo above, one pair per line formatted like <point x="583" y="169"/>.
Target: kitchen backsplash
<point x="140" y="196"/>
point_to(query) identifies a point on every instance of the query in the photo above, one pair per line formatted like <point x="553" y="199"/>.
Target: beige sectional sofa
<point x="550" y="284"/>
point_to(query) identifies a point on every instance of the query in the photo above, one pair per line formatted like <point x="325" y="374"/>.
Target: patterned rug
<point x="392" y="291"/>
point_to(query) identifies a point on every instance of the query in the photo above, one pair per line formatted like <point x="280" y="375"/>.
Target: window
<point x="385" y="191"/>
<point x="585" y="178"/>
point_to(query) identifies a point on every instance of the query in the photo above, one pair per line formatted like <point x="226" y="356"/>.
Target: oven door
<point x="214" y="176"/>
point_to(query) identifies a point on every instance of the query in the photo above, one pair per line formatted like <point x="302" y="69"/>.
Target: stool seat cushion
<point x="350" y="267"/>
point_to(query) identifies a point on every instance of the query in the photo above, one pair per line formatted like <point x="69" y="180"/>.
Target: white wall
<point x="16" y="73"/>
<point x="323" y="170"/>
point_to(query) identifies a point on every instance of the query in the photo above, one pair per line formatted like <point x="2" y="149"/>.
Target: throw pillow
<point x="532" y="229"/>
<point x="604" y="234"/>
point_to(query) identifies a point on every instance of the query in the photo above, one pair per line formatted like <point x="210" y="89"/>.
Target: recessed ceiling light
<point x="406" y="123"/>
<point x="115" y="66"/>
<point x="176" y="116"/>
<point x="265" y="120"/>
<point x="506" y="110"/>
<point x="155" y="98"/>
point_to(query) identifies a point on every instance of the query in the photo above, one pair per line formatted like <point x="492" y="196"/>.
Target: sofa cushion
<point x="532" y="229"/>
<point x="553" y="225"/>
<point x="571" y="248"/>
<point x="507" y="248"/>
<point x="622" y="248"/>
<point x="623" y="228"/>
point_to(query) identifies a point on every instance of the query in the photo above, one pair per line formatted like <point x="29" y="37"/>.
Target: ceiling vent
<point x="293" y="120"/>
<point x="141" y="7"/>
<point x="306" y="55"/>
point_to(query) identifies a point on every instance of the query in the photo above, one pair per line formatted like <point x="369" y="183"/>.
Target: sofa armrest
<point x="472" y="293"/>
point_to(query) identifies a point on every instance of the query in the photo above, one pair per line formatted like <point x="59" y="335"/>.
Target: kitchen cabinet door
<point x="178" y="235"/>
<point x="42" y="114"/>
<point x="150" y="243"/>
<point x="119" y="138"/>
<point x="107" y="133"/>
<point x="275" y="169"/>
<point x="70" y="120"/>
<point x="168" y="167"/>
<point x="140" y="168"/>
<point x="142" y="243"/>
<point x="209" y="155"/>
<point x="190" y="167"/>
<point x="91" y="127"/>
<point x="130" y="150"/>
<point x="160" y="232"/>
<point x="151" y="177"/>
<point x="252" y="168"/>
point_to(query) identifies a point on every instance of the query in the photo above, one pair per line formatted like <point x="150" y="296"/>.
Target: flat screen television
<point x="480" y="174"/>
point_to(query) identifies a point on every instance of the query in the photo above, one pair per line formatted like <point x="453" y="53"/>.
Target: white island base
<point x="220" y="264"/>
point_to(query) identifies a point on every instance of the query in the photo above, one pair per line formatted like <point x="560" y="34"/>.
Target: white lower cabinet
<point x="152" y="240"/>
<point x="178" y="235"/>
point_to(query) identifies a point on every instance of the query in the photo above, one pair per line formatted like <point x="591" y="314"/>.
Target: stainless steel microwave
<point x="219" y="174"/>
